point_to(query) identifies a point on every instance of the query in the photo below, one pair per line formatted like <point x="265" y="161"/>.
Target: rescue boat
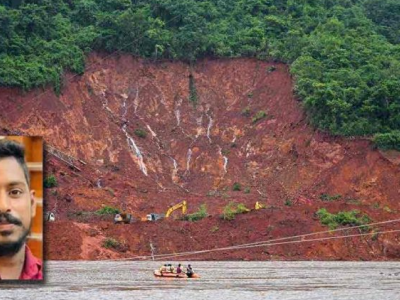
<point x="157" y="273"/>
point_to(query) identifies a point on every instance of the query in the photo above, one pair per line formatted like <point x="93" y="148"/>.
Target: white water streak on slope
<point x="225" y="164"/>
<point x="105" y="103"/>
<point x="131" y="142"/>
<point x="178" y="117"/>
<point x="199" y="120"/>
<point x="136" y="101"/>
<point x="175" y="164"/>
<point x="152" y="132"/>
<point x="132" y="145"/>
<point x="175" y="170"/>
<point x="225" y="160"/>
<point x="210" y="123"/>
<point x="189" y="157"/>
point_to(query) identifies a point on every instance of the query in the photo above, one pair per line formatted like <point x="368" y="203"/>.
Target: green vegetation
<point x="140" y="133"/>
<point x="259" y="115"/>
<point x="247" y="190"/>
<point x="229" y="212"/>
<point x="109" y="243"/>
<point x="237" y="186"/>
<point x="288" y="202"/>
<point x="107" y="210"/>
<point x="200" y="214"/>
<point x="50" y="181"/>
<point x="232" y="209"/>
<point x="390" y="140"/>
<point x="343" y="218"/>
<point x="241" y="209"/>
<point x="385" y="14"/>
<point x="326" y="197"/>
<point x="344" y="54"/>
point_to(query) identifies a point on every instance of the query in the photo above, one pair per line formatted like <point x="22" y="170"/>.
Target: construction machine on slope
<point x="49" y="216"/>
<point x="125" y="218"/>
<point x="122" y="218"/>
<point x="154" y="217"/>
<point x="258" y="206"/>
<point x="173" y="208"/>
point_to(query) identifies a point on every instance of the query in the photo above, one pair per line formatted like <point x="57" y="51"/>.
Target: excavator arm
<point x="182" y="205"/>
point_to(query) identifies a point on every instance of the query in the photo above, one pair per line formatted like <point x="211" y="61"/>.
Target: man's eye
<point x="15" y="192"/>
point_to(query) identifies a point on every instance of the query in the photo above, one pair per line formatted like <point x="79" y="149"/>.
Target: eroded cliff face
<point x="207" y="126"/>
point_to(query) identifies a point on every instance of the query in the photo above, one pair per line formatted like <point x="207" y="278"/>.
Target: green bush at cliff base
<point x="241" y="209"/>
<point x="229" y="212"/>
<point x="232" y="209"/>
<point x="107" y="210"/>
<point x="109" y="243"/>
<point x="200" y="214"/>
<point x="343" y="218"/>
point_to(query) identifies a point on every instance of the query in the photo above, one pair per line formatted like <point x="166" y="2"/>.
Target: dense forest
<point x="344" y="54"/>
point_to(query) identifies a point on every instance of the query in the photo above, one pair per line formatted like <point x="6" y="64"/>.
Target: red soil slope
<point x="202" y="137"/>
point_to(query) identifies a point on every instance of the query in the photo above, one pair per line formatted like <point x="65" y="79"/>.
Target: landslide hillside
<point x="139" y="135"/>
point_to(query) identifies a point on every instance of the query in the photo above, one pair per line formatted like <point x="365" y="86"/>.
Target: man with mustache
<point x="17" y="208"/>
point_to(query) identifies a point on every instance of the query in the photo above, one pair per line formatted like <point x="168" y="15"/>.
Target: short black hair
<point x="13" y="149"/>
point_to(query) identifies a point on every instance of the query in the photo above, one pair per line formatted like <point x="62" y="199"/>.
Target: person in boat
<point x="171" y="268"/>
<point x="163" y="269"/>
<point x="179" y="269"/>
<point x="189" y="271"/>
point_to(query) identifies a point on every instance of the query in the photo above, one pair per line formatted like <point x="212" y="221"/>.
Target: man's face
<point x="17" y="205"/>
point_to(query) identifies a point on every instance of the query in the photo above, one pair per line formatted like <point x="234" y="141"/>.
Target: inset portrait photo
<point x="21" y="208"/>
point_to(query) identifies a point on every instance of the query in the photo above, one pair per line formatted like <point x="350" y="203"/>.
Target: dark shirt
<point x="32" y="269"/>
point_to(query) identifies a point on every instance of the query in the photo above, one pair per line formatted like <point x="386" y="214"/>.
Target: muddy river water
<point x="219" y="280"/>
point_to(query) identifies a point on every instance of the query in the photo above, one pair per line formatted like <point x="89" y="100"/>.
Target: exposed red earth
<point x="198" y="144"/>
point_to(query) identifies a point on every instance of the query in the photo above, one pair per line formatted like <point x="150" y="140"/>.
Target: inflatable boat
<point x="157" y="273"/>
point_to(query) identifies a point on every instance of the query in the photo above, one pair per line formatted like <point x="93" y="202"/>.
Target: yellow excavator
<point x="258" y="206"/>
<point x="182" y="205"/>
<point x="125" y="218"/>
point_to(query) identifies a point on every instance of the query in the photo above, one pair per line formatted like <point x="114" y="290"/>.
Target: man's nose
<point x="4" y="202"/>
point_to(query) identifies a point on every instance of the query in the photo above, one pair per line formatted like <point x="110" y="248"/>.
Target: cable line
<point x="271" y="242"/>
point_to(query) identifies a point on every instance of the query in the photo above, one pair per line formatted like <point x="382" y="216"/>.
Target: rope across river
<point x="271" y="242"/>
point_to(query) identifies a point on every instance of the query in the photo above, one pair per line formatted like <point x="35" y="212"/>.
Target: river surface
<point x="219" y="280"/>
